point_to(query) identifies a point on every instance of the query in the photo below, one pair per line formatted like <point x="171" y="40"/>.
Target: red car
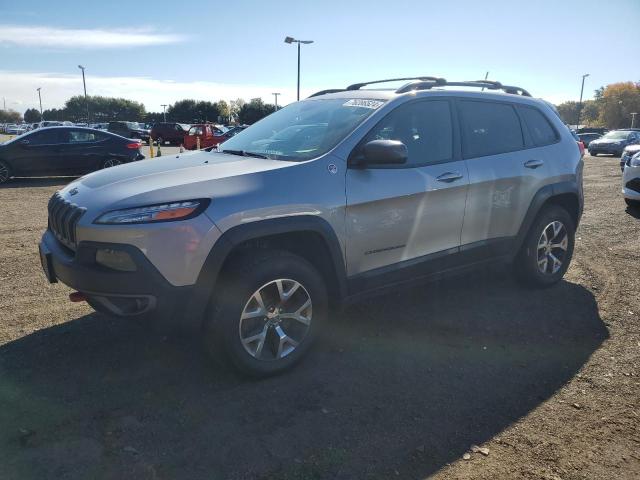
<point x="210" y="136"/>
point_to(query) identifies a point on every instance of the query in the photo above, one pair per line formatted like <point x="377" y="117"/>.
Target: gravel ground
<point x="402" y="386"/>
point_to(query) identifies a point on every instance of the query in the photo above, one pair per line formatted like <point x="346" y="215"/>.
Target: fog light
<point x="115" y="259"/>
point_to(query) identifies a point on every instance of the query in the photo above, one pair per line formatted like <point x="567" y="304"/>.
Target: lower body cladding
<point x="117" y="279"/>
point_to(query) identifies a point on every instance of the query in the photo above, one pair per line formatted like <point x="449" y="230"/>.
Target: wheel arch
<point x="308" y="236"/>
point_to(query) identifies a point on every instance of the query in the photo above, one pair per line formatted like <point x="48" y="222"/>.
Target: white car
<point x="631" y="181"/>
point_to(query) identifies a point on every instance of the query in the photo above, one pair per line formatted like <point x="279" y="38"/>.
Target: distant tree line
<point x="611" y="107"/>
<point x="105" y="109"/>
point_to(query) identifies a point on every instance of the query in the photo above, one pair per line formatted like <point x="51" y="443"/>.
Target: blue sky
<point x="158" y="52"/>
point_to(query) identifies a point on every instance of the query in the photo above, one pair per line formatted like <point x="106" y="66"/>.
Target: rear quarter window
<point x="541" y="131"/>
<point x="489" y="128"/>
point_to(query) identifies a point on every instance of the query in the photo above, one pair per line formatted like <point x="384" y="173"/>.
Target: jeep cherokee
<point x="322" y="202"/>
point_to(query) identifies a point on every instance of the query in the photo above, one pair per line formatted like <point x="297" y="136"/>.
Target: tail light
<point x="581" y="147"/>
<point x="135" y="145"/>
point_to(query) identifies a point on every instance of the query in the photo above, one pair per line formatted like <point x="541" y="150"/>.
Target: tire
<point x="111" y="162"/>
<point x="5" y="172"/>
<point x="630" y="203"/>
<point x="285" y="283"/>
<point x="593" y="154"/>
<point x="535" y="265"/>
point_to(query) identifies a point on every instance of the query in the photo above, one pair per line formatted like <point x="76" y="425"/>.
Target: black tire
<point x="5" y="172"/>
<point x="110" y="162"/>
<point x="243" y="278"/>
<point x="632" y="203"/>
<point x="593" y="154"/>
<point x="526" y="264"/>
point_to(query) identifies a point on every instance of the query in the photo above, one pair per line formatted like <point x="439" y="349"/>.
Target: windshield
<point x="617" y="135"/>
<point x="303" y="130"/>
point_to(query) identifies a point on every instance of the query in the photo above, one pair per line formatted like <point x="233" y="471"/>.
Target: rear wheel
<point x="111" y="162"/>
<point x="630" y="203"/>
<point x="547" y="250"/>
<point x="593" y="154"/>
<point x="5" y="172"/>
<point x="267" y="313"/>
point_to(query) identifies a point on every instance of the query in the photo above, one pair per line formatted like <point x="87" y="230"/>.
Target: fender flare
<point x="539" y="199"/>
<point x="235" y="236"/>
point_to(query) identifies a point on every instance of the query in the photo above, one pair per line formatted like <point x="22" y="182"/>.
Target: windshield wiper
<point x="243" y="153"/>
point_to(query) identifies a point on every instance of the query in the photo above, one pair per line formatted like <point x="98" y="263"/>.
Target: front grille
<point x="63" y="218"/>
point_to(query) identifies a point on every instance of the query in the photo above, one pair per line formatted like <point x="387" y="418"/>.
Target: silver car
<point x="323" y="202"/>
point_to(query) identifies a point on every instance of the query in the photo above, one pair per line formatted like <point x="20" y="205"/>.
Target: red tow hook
<point x="77" y="297"/>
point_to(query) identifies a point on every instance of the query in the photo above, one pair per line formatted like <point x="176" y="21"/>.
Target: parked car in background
<point x="99" y="126"/>
<point x="129" y="130"/>
<point x="171" y="132"/>
<point x="210" y="136"/>
<point x="614" y="142"/>
<point x="64" y="151"/>
<point x="16" y="129"/>
<point x="587" y="138"/>
<point x="628" y="152"/>
<point x="49" y="123"/>
<point x="631" y="180"/>
<point x="578" y="141"/>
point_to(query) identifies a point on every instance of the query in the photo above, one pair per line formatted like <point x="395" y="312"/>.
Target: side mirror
<point x="381" y="152"/>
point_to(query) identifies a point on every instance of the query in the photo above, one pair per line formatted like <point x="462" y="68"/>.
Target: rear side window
<point x="539" y="127"/>
<point x="44" y="137"/>
<point x="424" y="127"/>
<point x="84" y="136"/>
<point x="489" y="128"/>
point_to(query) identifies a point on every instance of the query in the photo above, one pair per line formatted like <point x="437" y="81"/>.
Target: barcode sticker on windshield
<point x="363" y="103"/>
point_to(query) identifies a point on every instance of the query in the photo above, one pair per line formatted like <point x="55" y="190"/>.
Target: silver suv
<point x="323" y="202"/>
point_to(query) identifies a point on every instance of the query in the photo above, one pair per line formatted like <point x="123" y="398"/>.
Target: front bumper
<point x="606" y="149"/>
<point x="631" y="183"/>
<point x="143" y="292"/>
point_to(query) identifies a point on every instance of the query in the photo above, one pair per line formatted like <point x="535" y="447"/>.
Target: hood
<point x="166" y="179"/>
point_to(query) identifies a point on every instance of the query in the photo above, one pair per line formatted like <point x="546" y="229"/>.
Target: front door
<point x="35" y="154"/>
<point x="399" y="215"/>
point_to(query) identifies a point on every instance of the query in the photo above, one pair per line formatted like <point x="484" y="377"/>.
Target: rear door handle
<point x="449" y="177"/>
<point x="533" y="163"/>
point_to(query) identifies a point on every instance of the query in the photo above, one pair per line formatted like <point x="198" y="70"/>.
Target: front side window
<point x="539" y="127"/>
<point x="489" y="128"/>
<point x="303" y="130"/>
<point x="424" y="127"/>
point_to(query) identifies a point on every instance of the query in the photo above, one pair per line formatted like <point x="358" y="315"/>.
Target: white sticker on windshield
<point x="363" y="103"/>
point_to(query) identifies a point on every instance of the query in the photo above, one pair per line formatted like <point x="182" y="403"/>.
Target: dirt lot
<point x="401" y="387"/>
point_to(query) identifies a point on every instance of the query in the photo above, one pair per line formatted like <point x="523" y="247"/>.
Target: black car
<point x="587" y="138"/>
<point x="64" y="151"/>
<point x="171" y="132"/>
<point x="129" y="130"/>
<point x="614" y="142"/>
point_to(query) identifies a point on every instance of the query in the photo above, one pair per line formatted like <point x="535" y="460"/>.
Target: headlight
<point x="635" y="160"/>
<point x="166" y="212"/>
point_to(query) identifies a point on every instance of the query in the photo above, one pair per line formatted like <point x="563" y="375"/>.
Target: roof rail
<point x="329" y="90"/>
<point x="358" y="86"/>
<point x="488" y="84"/>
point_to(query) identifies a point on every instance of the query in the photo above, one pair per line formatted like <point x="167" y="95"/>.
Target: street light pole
<point x="40" y="98"/>
<point x="164" y="112"/>
<point x="580" y="104"/>
<point x="86" y="101"/>
<point x="633" y="118"/>
<point x="276" y="96"/>
<point x="306" y="42"/>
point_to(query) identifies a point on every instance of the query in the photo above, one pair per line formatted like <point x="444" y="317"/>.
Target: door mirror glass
<point x="382" y="152"/>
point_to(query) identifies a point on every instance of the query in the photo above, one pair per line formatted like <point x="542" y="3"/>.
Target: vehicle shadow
<point x="21" y="182"/>
<point x="633" y="211"/>
<point x="404" y="382"/>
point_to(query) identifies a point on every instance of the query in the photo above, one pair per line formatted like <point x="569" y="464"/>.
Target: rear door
<point x="506" y="169"/>
<point x="82" y="150"/>
<point x="399" y="214"/>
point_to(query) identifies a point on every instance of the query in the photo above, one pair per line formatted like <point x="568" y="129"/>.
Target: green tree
<point x="103" y="109"/>
<point x="192" y="111"/>
<point x="54" y="114"/>
<point x="32" y="115"/>
<point x="255" y="110"/>
<point x="10" y="116"/>
<point x="568" y="112"/>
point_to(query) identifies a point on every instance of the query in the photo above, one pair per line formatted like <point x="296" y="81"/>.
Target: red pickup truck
<point x="210" y="136"/>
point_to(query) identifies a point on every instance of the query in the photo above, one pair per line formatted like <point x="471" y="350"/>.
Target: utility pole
<point x="580" y="104"/>
<point x="276" y="96"/>
<point x="633" y="118"/>
<point x="40" y="98"/>
<point x="291" y="40"/>
<point x="86" y="101"/>
<point x="4" y="104"/>
<point x="164" y="112"/>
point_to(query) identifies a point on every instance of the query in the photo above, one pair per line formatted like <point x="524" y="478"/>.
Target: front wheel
<point x="267" y="313"/>
<point x="547" y="250"/>
<point x="5" y="172"/>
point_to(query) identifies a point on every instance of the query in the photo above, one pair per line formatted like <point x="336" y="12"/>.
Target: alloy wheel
<point x="111" y="162"/>
<point x="275" y="320"/>
<point x="552" y="248"/>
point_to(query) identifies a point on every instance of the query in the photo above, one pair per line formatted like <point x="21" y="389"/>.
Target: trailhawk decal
<point x="363" y="103"/>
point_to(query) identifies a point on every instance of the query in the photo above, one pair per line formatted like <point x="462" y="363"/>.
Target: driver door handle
<point x="533" y="163"/>
<point x="449" y="177"/>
